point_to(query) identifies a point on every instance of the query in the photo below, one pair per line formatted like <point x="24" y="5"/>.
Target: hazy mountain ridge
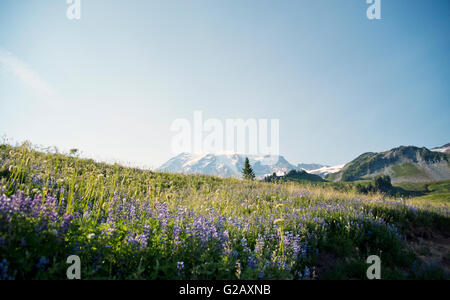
<point x="225" y="165"/>
<point x="402" y="164"/>
<point x="309" y="167"/>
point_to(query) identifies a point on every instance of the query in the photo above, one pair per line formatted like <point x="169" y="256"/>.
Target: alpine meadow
<point x="224" y="148"/>
<point x="127" y="223"/>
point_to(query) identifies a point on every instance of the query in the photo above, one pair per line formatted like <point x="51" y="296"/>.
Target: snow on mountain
<point x="231" y="165"/>
<point x="309" y="167"/>
<point x="324" y="171"/>
<point x="226" y="165"/>
<point x="443" y="149"/>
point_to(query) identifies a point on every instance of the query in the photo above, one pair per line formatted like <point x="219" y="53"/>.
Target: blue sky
<point x="112" y="83"/>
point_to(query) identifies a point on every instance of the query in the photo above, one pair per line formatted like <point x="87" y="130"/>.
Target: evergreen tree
<point x="383" y="184"/>
<point x="247" y="172"/>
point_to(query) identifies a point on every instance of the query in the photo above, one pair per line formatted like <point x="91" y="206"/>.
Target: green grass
<point x="407" y="170"/>
<point x="429" y="194"/>
<point x="435" y="193"/>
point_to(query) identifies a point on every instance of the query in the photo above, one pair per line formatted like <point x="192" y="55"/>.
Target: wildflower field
<point x="127" y="223"/>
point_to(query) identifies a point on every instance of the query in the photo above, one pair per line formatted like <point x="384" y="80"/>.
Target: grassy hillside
<point x="127" y="223"/>
<point x="401" y="164"/>
<point x="421" y="194"/>
<point x="407" y="170"/>
<point x="429" y="193"/>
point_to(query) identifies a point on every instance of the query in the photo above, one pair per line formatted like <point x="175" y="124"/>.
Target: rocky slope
<point x="402" y="164"/>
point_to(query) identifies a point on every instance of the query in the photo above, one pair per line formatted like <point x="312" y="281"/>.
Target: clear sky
<point x="112" y="83"/>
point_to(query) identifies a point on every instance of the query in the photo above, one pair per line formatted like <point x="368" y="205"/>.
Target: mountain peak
<point x="226" y="165"/>
<point x="442" y="149"/>
<point x="404" y="163"/>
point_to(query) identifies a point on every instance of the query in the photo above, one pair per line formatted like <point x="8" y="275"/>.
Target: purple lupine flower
<point x="4" y="266"/>
<point x="261" y="274"/>
<point x="43" y="262"/>
<point x="307" y="273"/>
<point x="252" y="262"/>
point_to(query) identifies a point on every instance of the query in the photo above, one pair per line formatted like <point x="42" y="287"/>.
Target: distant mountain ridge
<point x="442" y="149"/>
<point x="309" y="167"/>
<point x="402" y="164"/>
<point x="326" y="171"/>
<point x="225" y="165"/>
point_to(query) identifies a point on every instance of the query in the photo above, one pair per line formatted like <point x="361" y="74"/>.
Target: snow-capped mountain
<point x="226" y="165"/>
<point x="309" y="167"/>
<point x="231" y="165"/>
<point x="443" y="149"/>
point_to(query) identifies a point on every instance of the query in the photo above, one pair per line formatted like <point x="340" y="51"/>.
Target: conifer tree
<point x="247" y="172"/>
